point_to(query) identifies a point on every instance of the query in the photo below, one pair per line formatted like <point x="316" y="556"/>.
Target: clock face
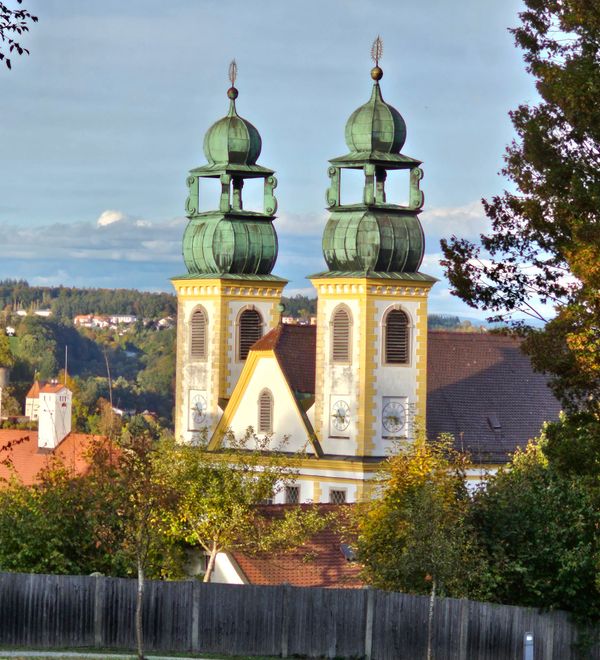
<point x="394" y="417"/>
<point x="198" y="406"/>
<point x="340" y="414"/>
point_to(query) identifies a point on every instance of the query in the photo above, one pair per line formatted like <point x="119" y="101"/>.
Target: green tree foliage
<point x="545" y="238"/>
<point x="53" y="527"/>
<point x="66" y="303"/>
<point x="220" y="495"/>
<point x="539" y="532"/>
<point x="415" y="536"/>
<point x="13" y="24"/>
<point x="7" y="359"/>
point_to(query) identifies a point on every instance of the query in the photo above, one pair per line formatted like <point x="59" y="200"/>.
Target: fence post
<point x="196" y="616"/>
<point x="99" y="591"/>
<point x="528" y="646"/>
<point x="285" y="620"/>
<point x="369" y="615"/>
<point x="463" y="643"/>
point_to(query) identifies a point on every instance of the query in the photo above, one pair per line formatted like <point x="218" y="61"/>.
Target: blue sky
<point x="100" y="124"/>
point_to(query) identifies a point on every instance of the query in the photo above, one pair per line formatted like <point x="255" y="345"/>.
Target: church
<point x="369" y="373"/>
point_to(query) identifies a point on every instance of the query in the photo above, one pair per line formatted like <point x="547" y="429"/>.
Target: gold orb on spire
<point x="376" y="54"/>
<point x="232" y="92"/>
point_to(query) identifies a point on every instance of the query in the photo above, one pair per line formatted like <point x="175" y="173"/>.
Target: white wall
<point x="264" y="308"/>
<point x="287" y="420"/>
<point x="397" y="380"/>
<point x="341" y="381"/>
<point x="54" y="422"/>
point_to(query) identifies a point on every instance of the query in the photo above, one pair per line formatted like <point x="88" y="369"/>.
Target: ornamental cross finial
<point x="233" y="72"/>
<point x="377" y="50"/>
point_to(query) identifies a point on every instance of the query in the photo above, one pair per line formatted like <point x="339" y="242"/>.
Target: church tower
<point x="228" y="298"/>
<point x="371" y="365"/>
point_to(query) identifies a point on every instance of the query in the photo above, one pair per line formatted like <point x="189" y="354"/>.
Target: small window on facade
<point x="396" y="348"/>
<point x="198" y="335"/>
<point x="250" y="331"/>
<point x="337" y="496"/>
<point x="265" y="412"/>
<point x="340" y="336"/>
<point x="292" y="494"/>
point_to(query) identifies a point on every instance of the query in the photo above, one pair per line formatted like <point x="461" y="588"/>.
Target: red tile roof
<point x="295" y="348"/>
<point x="34" y="390"/>
<point x="19" y="449"/>
<point x="52" y="388"/>
<point x="318" y="563"/>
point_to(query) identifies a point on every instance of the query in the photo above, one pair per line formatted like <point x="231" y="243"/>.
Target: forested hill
<point x="67" y="302"/>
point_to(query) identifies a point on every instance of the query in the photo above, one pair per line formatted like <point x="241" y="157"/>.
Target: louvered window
<point x="265" y="412"/>
<point x="340" y="336"/>
<point x="250" y="331"/>
<point x="396" y="338"/>
<point x="337" y="496"/>
<point x="198" y="335"/>
<point x="292" y="494"/>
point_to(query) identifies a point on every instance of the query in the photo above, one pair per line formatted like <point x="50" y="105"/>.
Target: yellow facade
<point x="222" y="299"/>
<point x="369" y="297"/>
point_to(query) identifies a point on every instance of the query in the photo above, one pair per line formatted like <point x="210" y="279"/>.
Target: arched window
<point x="265" y="412"/>
<point x="396" y="346"/>
<point x="249" y="331"/>
<point x="340" y="335"/>
<point x="198" y="335"/>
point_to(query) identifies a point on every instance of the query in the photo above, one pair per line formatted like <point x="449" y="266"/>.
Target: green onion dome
<point x="232" y="139"/>
<point x="376" y="126"/>
<point x="221" y="244"/>
<point x="373" y="240"/>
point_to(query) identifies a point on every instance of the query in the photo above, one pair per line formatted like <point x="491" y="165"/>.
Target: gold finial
<point x="376" y="54"/>
<point x="232" y="92"/>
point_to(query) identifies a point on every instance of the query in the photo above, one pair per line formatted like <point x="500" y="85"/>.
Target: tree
<point x="220" y="497"/>
<point x="7" y="359"/>
<point x="149" y="498"/>
<point x="13" y="22"/>
<point x="545" y="238"/>
<point x="539" y="531"/>
<point x="415" y="536"/>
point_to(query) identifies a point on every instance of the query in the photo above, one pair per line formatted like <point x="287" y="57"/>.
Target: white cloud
<point x="109" y="217"/>
<point x="467" y="221"/>
<point x="300" y="224"/>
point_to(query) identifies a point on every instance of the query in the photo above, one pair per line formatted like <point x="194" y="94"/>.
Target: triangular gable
<point x="251" y="382"/>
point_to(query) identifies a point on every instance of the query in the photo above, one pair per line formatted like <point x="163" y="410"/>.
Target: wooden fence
<point x="69" y="612"/>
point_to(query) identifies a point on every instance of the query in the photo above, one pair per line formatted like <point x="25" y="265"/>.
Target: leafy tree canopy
<point x="544" y="241"/>
<point x="13" y="24"/>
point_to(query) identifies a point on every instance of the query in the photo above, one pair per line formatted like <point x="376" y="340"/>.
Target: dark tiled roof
<point x="482" y="389"/>
<point x="318" y="563"/>
<point x="295" y="348"/>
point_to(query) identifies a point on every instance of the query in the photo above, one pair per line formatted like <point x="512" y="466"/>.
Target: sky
<point x="100" y="124"/>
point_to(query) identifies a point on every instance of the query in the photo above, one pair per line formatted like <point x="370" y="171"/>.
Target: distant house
<point x="166" y="322"/>
<point x="10" y="331"/>
<point x="21" y="312"/>
<point x="91" y="321"/>
<point x="43" y="312"/>
<point x="124" y="318"/>
<point x="24" y="453"/>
